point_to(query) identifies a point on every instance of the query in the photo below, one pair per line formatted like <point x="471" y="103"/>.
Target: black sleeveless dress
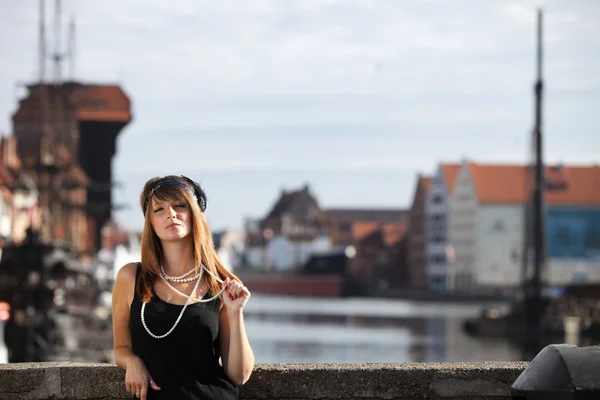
<point x="185" y="364"/>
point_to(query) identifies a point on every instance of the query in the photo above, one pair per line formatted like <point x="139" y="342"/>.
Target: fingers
<point x="153" y="385"/>
<point x="140" y="388"/>
<point x="236" y="289"/>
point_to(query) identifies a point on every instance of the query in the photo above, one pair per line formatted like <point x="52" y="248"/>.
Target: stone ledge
<point x="402" y="381"/>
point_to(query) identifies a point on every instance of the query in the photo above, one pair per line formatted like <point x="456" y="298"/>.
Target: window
<point x="514" y="255"/>
<point x="498" y="226"/>
<point x="437" y="239"/>
<point x="437" y="258"/>
<point x="438" y="217"/>
<point x="437" y="199"/>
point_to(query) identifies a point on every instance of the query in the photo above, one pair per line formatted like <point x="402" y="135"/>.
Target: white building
<point x="487" y="226"/>
<point x="487" y="229"/>
<point x="436" y="225"/>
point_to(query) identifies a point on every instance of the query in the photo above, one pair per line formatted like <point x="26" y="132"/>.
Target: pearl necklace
<point x="165" y="278"/>
<point x="181" y="278"/>
<point x="187" y="303"/>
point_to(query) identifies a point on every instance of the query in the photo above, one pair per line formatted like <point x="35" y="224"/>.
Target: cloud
<point x="270" y="87"/>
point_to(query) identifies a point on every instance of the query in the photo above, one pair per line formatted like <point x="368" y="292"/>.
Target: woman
<point x="178" y="315"/>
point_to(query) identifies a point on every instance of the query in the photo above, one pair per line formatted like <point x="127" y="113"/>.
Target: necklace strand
<point x="181" y="278"/>
<point x="189" y="297"/>
<point x="188" y="301"/>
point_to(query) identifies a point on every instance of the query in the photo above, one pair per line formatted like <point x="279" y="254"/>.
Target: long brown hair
<point x="204" y="248"/>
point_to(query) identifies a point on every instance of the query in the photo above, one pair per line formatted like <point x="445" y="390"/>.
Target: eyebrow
<point x="156" y="203"/>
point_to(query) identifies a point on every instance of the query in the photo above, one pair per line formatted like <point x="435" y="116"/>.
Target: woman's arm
<point x="121" y="300"/>
<point x="236" y="353"/>
<point x="137" y="377"/>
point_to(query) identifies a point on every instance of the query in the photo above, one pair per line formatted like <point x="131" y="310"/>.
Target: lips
<point x="171" y="226"/>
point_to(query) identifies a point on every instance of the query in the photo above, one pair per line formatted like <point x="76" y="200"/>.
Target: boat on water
<point x="575" y="309"/>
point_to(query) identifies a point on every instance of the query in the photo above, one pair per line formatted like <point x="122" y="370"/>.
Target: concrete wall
<point x="448" y="381"/>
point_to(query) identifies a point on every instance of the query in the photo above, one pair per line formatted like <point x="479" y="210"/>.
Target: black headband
<point x="195" y="190"/>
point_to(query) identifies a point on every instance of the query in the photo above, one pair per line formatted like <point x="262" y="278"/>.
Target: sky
<point x="353" y="97"/>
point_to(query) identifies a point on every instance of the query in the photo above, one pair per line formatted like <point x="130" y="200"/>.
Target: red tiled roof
<point x="583" y="186"/>
<point x="361" y="230"/>
<point x="393" y="233"/>
<point x="499" y="184"/>
<point x="103" y="103"/>
<point x="450" y="171"/>
<point x="506" y="184"/>
<point x="91" y="102"/>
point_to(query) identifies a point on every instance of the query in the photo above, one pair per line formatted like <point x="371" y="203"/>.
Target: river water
<point x="308" y="330"/>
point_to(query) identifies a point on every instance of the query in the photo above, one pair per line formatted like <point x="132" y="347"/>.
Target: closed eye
<point x="177" y="206"/>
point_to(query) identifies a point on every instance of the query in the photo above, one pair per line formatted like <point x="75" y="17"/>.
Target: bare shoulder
<point x="127" y="273"/>
<point x="125" y="283"/>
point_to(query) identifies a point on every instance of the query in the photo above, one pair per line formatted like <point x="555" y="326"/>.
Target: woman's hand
<point x="235" y="296"/>
<point x="137" y="378"/>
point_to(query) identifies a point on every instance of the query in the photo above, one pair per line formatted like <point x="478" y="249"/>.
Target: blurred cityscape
<point x="449" y="278"/>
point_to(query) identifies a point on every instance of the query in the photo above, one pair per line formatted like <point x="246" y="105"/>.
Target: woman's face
<point x="170" y="219"/>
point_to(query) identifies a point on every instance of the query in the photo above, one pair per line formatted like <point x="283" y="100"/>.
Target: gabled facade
<point x="437" y="225"/>
<point x="293" y="229"/>
<point x="296" y="216"/>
